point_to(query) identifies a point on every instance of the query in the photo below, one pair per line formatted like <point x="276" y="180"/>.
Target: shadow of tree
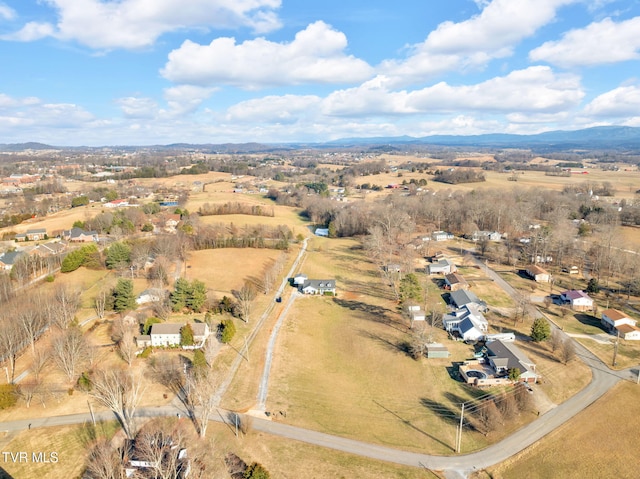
<point x="401" y="346"/>
<point x="371" y="312"/>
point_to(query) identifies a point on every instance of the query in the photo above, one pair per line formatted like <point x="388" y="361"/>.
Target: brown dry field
<point x="225" y="269"/>
<point x="625" y="183"/>
<point x="599" y="442"/>
<point x="340" y="367"/>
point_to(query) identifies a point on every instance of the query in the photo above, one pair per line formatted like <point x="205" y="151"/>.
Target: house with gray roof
<point x="78" y="235"/>
<point x="442" y="266"/>
<point x="168" y="334"/>
<point x="319" y="286"/>
<point x="504" y="356"/>
<point x="463" y="297"/>
<point x="468" y="323"/>
<point x="8" y="259"/>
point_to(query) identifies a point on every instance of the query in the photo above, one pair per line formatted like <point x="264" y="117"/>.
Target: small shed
<point x="437" y="350"/>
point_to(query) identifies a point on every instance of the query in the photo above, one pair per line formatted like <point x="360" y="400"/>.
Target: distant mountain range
<point x="601" y="137"/>
<point x="596" y="137"/>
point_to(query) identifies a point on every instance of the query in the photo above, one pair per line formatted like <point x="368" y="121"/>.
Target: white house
<point x="151" y="295"/>
<point x="299" y="279"/>
<point x="579" y="300"/>
<point x="441" y="236"/>
<point x="319" y="286"/>
<point x="628" y="332"/>
<point x="168" y="334"/>
<point x="443" y="266"/>
<point x="538" y="274"/>
<point x="612" y="319"/>
<point x="467" y="322"/>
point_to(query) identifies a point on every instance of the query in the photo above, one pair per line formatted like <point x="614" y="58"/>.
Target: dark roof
<point x="509" y="355"/>
<point x="462" y="297"/>
<point x="320" y="283"/>
<point x="10" y="257"/>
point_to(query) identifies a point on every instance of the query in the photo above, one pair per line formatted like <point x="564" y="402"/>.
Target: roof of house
<point x="37" y="231"/>
<point x="455" y="278"/>
<point x="462" y="297"/>
<point x="199" y="329"/>
<point x="535" y="269"/>
<point x="436" y="347"/>
<point x="166" y="328"/>
<point x="10" y="257"/>
<point x="76" y="232"/>
<point x="614" y="314"/>
<point x="575" y="294"/>
<point x="514" y="357"/>
<point x="319" y="283"/>
<point x="627" y="328"/>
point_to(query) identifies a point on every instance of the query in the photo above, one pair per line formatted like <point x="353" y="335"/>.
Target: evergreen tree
<point x="197" y="296"/>
<point x="227" y="330"/>
<point x="540" y="330"/>
<point x="180" y="294"/>
<point x="593" y="286"/>
<point x="118" y="256"/>
<point x="123" y="297"/>
<point x="186" y="335"/>
<point x="410" y="288"/>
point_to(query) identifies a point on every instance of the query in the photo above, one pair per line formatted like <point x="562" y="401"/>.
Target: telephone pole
<point x="459" y="436"/>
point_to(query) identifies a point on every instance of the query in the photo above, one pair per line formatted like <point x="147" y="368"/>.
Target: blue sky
<point x="107" y="72"/>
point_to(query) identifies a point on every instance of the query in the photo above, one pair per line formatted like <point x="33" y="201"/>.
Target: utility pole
<point x="459" y="438"/>
<point x="615" y="349"/>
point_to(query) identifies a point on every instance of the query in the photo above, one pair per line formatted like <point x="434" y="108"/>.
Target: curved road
<point x="603" y="380"/>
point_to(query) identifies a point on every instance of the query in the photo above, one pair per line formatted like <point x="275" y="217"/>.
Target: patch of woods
<point x="235" y="208"/>
<point x="495" y="410"/>
<point x="249" y="236"/>
<point x="457" y="176"/>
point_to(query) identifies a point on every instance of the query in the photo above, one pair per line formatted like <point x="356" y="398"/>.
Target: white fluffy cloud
<point x="132" y="24"/>
<point x="185" y="99"/>
<point x="535" y="89"/>
<point x="134" y="107"/>
<point x="316" y="55"/>
<point x="6" y="12"/>
<point x="493" y="33"/>
<point x="274" y="109"/>
<point x="599" y="43"/>
<point x="618" y="103"/>
<point x="31" y="112"/>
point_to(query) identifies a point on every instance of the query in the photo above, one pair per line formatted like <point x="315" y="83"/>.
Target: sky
<point x="146" y="72"/>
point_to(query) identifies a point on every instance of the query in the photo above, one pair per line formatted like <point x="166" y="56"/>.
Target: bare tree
<point x="29" y="389"/>
<point x="104" y="462"/>
<point x="123" y="334"/>
<point x="40" y="358"/>
<point x="567" y="350"/>
<point x="67" y="302"/>
<point x="556" y="340"/>
<point x="245" y="297"/>
<point x="489" y="416"/>
<point x="201" y="403"/>
<point x="120" y="391"/>
<point x="100" y="303"/>
<point x="12" y="342"/>
<point x="210" y="349"/>
<point x="70" y="351"/>
<point x="30" y="319"/>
